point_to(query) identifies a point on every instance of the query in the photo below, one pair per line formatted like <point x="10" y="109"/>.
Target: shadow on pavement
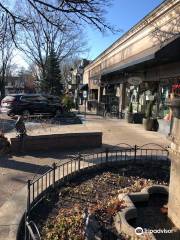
<point x="7" y="125"/>
<point x="5" y="162"/>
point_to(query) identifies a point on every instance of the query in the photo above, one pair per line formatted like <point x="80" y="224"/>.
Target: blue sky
<point x="123" y="14"/>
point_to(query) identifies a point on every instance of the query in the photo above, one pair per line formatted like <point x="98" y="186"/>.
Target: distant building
<point x="14" y="85"/>
<point x="20" y="84"/>
<point x="76" y="84"/>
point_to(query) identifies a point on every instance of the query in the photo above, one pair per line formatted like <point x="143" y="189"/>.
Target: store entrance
<point x="109" y="103"/>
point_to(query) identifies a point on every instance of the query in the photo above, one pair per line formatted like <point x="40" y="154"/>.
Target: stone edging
<point x="129" y="212"/>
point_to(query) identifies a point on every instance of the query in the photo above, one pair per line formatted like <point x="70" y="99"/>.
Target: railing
<point x="61" y="173"/>
<point x="33" y="232"/>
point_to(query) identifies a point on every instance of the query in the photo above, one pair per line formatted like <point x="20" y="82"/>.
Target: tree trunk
<point x="2" y="85"/>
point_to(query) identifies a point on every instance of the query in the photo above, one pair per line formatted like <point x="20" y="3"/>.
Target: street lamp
<point x="80" y="70"/>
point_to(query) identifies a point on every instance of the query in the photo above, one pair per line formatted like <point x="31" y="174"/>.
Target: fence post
<point x="28" y="197"/>
<point x="135" y="152"/>
<point x="79" y="161"/>
<point x="107" y="154"/>
<point x="54" y="174"/>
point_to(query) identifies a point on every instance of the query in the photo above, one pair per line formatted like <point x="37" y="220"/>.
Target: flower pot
<point x="138" y="118"/>
<point x="155" y="125"/>
<point x="150" y="124"/>
<point x="129" y="117"/>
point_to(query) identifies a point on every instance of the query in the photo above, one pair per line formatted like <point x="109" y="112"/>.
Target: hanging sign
<point x="135" y="81"/>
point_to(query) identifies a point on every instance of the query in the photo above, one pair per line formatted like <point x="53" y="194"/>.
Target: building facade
<point x="142" y="65"/>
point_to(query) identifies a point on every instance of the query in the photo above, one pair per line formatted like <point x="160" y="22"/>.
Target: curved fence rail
<point x="121" y="152"/>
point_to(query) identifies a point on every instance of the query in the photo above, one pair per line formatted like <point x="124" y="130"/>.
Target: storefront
<point x="158" y="93"/>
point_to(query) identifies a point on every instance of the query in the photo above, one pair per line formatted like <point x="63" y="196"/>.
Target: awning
<point x="154" y="55"/>
<point x="169" y="52"/>
<point x="83" y="87"/>
<point x="132" y="61"/>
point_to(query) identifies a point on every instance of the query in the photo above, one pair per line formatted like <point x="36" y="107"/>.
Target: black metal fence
<point x="59" y="173"/>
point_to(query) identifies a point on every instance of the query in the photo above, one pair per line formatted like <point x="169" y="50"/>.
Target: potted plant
<point x="150" y="123"/>
<point x="138" y="117"/>
<point x="130" y="118"/>
<point x="67" y="103"/>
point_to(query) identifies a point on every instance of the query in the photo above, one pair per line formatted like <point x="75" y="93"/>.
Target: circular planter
<point x="175" y="106"/>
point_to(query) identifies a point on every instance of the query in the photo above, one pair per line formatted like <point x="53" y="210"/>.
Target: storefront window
<point x="166" y="88"/>
<point x="164" y="96"/>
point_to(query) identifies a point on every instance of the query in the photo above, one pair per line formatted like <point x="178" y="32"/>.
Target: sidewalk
<point x="16" y="170"/>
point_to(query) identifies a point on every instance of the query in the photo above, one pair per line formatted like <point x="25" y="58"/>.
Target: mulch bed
<point x="63" y="218"/>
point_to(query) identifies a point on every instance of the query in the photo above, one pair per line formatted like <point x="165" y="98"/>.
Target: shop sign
<point x="175" y="87"/>
<point x="135" y="81"/>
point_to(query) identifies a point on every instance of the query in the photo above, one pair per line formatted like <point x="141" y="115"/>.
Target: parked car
<point x="30" y="104"/>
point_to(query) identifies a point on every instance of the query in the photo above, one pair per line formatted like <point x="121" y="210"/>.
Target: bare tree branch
<point x="79" y="12"/>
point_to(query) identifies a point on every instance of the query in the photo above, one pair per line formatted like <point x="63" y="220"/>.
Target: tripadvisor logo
<point x="140" y="231"/>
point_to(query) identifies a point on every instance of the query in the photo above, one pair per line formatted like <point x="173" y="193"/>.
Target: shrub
<point x="68" y="103"/>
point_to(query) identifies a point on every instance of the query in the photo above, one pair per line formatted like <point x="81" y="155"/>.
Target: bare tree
<point x="42" y="36"/>
<point x="6" y="53"/>
<point x="76" y="11"/>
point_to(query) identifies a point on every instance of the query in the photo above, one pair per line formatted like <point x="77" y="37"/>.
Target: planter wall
<point x="58" y="142"/>
<point x="130" y="211"/>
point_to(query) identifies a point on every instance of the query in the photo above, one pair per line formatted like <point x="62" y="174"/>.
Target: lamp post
<point x="79" y="78"/>
<point x="77" y="89"/>
<point x="74" y="82"/>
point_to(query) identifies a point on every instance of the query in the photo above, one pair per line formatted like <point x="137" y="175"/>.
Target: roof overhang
<point x="154" y="56"/>
<point x="83" y="87"/>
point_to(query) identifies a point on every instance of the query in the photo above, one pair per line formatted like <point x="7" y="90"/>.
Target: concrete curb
<point x="129" y="212"/>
